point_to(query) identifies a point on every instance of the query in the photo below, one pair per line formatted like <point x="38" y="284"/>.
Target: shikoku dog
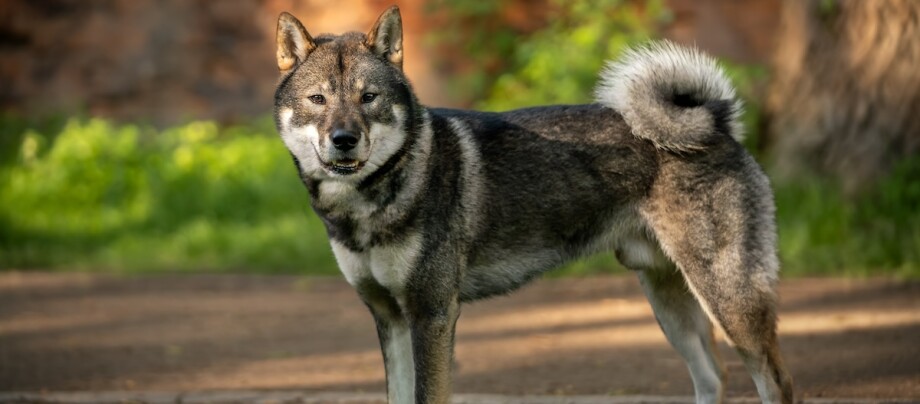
<point x="429" y="208"/>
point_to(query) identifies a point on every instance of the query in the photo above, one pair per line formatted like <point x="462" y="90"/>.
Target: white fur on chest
<point x="342" y="196"/>
<point x="389" y="265"/>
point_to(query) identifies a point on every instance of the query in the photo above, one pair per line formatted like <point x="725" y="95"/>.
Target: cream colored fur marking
<point x="400" y="365"/>
<point x="352" y="264"/>
<point x="472" y="175"/>
<point x="300" y="141"/>
<point x="391" y="264"/>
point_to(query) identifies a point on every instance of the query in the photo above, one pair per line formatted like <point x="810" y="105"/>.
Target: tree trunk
<point x="844" y="98"/>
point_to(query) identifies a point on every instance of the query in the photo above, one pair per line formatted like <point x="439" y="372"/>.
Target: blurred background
<point x="135" y="135"/>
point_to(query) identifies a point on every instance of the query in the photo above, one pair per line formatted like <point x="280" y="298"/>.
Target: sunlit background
<point x="136" y="135"/>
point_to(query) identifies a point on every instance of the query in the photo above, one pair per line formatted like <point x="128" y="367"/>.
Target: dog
<point x="429" y="208"/>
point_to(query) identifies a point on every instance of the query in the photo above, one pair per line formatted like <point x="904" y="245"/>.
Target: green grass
<point x="94" y="195"/>
<point x="823" y="232"/>
<point x="87" y="194"/>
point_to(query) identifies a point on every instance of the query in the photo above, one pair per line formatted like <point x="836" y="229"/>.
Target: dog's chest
<point x="342" y="196"/>
<point x="389" y="265"/>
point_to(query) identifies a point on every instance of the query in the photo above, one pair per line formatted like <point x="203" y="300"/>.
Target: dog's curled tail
<point x="676" y="97"/>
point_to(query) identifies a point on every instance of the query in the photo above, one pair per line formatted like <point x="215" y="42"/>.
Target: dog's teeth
<point x="347" y="164"/>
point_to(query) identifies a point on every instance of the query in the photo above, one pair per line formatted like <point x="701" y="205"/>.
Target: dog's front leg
<point x="395" y="341"/>
<point x="433" y="318"/>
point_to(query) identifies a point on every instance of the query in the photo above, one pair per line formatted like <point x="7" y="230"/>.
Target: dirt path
<point x="841" y="338"/>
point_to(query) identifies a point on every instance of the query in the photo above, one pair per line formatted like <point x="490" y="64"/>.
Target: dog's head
<point x="342" y="102"/>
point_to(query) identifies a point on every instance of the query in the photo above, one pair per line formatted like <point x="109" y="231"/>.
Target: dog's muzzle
<point x="343" y="160"/>
<point x="344" y="140"/>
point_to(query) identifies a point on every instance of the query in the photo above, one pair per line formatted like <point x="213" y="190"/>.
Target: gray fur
<point x="435" y="207"/>
<point x="653" y="86"/>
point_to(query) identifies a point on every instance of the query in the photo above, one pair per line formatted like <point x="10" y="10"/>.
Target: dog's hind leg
<point x="679" y="314"/>
<point x="687" y="328"/>
<point x="747" y="317"/>
<point x="722" y="239"/>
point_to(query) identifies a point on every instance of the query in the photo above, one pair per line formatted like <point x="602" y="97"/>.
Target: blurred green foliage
<point x="557" y="64"/>
<point x="822" y="231"/>
<point x="560" y="63"/>
<point x="98" y="196"/>
<point x="90" y="194"/>
<point x="94" y="195"/>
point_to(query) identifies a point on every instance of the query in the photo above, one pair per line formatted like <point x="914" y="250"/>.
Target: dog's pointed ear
<point x="294" y="42"/>
<point x="385" y="38"/>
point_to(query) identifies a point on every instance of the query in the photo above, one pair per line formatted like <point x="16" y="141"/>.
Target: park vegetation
<point x="82" y="193"/>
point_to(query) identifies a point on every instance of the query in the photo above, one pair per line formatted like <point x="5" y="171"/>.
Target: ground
<point x="586" y="336"/>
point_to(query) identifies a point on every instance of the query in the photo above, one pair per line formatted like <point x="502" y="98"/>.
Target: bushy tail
<point x="676" y="97"/>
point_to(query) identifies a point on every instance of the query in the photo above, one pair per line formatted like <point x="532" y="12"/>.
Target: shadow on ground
<point x="853" y="338"/>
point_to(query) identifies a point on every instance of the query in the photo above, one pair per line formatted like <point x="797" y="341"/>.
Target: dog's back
<point x="554" y="182"/>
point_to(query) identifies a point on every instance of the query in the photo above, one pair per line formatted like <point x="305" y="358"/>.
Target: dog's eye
<point x="317" y="99"/>
<point x="368" y="97"/>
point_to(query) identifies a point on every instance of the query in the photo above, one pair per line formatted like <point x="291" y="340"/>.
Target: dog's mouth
<point x="344" y="167"/>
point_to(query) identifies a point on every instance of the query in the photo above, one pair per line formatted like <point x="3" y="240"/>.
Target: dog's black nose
<point x="344" y="140"/>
